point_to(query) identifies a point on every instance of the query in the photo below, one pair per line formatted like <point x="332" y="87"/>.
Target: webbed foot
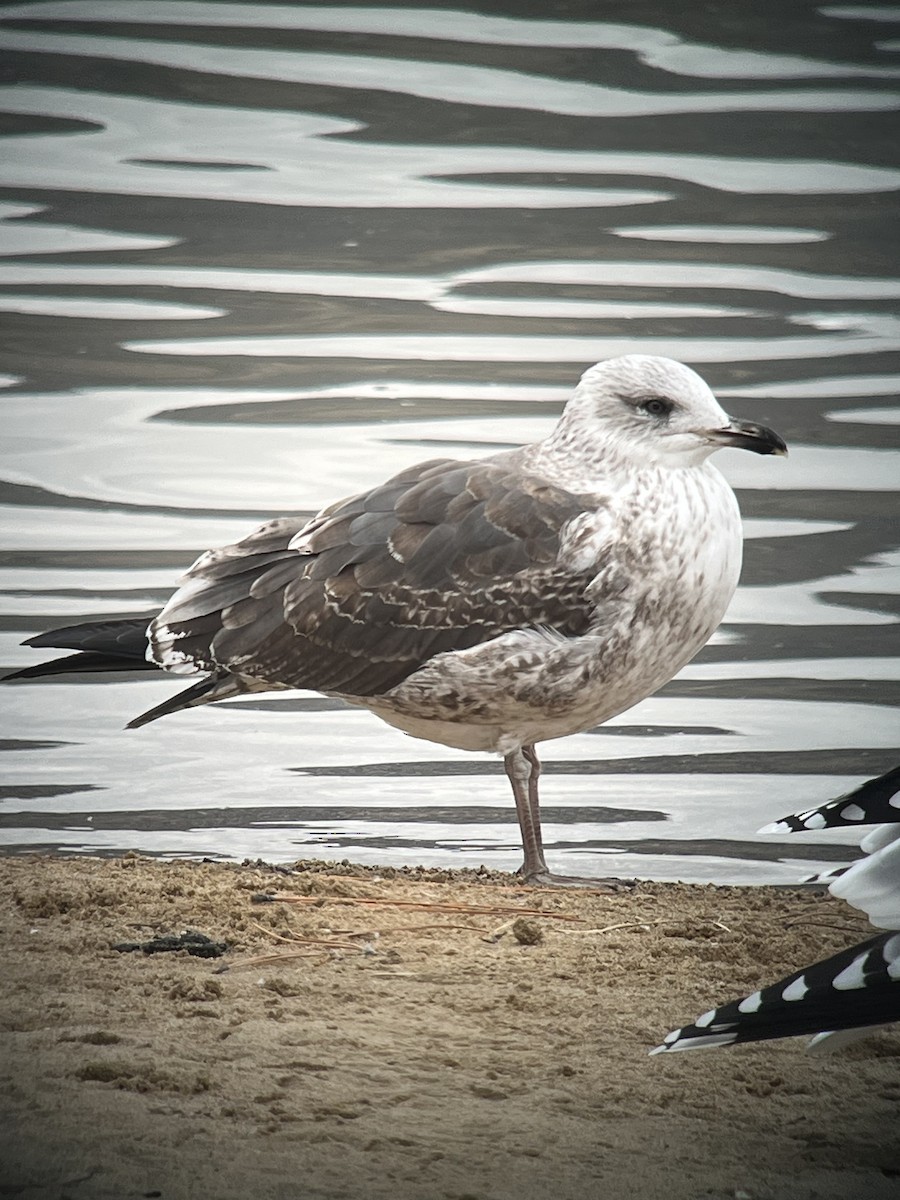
<point x="551" y="879"/>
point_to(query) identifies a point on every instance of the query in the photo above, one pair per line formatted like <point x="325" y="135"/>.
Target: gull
<point x="486" y="605"/>
<point x="848" y="995"/>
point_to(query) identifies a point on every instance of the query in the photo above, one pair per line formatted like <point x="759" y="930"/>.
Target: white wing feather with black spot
<point x="871" y="803"/>
<point x="854" y="990"/>
<point x="859" y="987"/>
<point x="872" y="883"/>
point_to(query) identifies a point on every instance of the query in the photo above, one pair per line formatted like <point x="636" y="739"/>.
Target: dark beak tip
<point x="772" y="443"/>
<point x="745" y="435"/>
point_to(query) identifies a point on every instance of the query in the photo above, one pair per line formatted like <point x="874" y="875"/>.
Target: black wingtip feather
<point x="124" y="637"/>
<point x="82" y="661"/>
<point x="116" y="645"/>
<point x="195" y="694"/>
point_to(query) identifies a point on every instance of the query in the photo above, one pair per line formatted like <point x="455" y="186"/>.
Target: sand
<point x="428" y="1053"/>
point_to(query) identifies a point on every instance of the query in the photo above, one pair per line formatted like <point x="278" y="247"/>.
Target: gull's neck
<point x="581" y="457"/>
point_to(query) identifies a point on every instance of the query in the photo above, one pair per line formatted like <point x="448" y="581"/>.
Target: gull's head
<point x="650" y="409"/>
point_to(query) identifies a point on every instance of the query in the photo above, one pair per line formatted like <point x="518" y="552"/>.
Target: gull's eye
<point x="656" y="406"/>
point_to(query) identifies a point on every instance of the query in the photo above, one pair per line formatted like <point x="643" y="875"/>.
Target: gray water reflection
<point x="256" y="257"/>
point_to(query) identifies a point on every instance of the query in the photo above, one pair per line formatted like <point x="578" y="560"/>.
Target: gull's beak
<point x="744" y="435"/>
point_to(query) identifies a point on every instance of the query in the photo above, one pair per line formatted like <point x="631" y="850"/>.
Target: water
<point x="254" y="257"/>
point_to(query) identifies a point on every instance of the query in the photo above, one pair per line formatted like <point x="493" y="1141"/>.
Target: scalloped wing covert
<point x="442" y="557"/>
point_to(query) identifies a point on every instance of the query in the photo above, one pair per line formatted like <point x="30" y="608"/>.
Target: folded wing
<point x="442" y="557"/>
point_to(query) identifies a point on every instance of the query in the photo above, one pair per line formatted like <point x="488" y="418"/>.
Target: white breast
<point x="668" y="556"/>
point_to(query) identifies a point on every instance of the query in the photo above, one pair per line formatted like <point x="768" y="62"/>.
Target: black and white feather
<point x="873" y="802"/>
<point x="845" y="996"/>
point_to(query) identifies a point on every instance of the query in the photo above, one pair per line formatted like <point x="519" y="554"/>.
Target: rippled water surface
<point x="254" y="257"/>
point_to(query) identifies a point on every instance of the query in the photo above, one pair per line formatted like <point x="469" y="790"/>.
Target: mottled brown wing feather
<point x="442" y="557"/>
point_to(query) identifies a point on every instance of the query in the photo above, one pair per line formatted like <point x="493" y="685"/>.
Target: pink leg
<point x="524" y="770"/>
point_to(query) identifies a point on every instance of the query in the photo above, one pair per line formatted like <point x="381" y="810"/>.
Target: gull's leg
<point x="524" y="770"/>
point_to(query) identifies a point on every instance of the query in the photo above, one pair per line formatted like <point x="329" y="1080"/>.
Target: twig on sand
<point x="621" y="925"/>
<point x="433" y="928"/>
<point x="416" y="905"/>
<point x="299" y="939"/>
<point x="258" y="959"/>
<point x="645" y="925"/>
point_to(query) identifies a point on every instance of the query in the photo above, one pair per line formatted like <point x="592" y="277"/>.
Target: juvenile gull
<point x="843" y="997"/>
<point x="488" y="604"/>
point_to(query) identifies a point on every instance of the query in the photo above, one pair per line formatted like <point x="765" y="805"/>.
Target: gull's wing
<point x="442" y="557"/>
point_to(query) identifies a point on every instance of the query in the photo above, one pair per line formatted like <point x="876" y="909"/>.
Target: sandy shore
<point x="431" y="1051"/>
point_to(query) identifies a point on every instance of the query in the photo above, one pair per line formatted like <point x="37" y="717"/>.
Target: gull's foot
<point x="551" y="879"/>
